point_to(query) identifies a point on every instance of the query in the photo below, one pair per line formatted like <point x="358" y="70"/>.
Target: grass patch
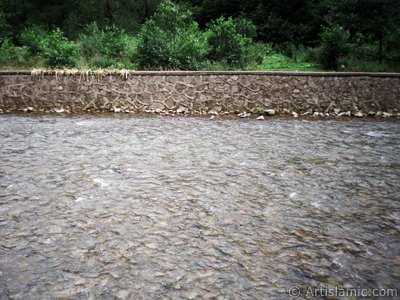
<point x="280" y="62"/>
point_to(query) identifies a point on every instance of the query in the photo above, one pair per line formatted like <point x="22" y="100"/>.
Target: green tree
<point x="171" y="39"/>
<point x="228" y="41"/>
<point x="334" y="45"/>
<point x="375" y="19"/>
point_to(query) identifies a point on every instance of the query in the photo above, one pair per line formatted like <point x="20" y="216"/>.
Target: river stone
<point x="261" y="118"/>
<point x="295" y="114"/>
<point x="345" y="113"/>
<point x="387" y="115"/>
<point x="243" y="115"/>
<point x="358" y="114"/>
<point x="270" y="112"/>
<point x="181" y="110"/>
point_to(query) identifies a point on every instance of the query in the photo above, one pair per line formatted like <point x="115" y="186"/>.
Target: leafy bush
<point x="110" y="42"/>
<point x="11" y="55"/>
<point x="230" y="45"/>
<point x="57" y="50"/>
<point x="32" y="37"/>
<point x="171" y="40"/>
<point x="245" y="27"/>
<point x="334" y="46"/>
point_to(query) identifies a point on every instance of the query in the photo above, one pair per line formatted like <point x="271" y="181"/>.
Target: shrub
<point x="171" y="40"/>
<point x="32" y="37"/>
<point x="11" y="55"/>
<point x="334" y="46"/>
<point x="57" y="50"/>
<point x="109" y="43"/>
<point x="230" y="45"/>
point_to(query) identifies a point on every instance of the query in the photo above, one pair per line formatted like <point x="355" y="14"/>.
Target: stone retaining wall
<point x="200" y="91"/>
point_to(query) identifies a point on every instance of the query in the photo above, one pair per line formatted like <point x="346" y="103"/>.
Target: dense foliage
<point x="202" y="34"/>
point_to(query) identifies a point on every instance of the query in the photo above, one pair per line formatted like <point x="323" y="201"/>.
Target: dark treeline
<point x="350" y="34"/>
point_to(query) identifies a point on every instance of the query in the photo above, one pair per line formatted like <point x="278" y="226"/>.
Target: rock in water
<point x="261" y="118"/>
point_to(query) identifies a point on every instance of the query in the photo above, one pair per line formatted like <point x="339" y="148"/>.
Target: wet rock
<point x="213" y="112"/>
<point x="371" y="113"/>
<point x="270" y="112"/>
<point x="358" y="114"/>
<point x="378" y="114"/>
<point x="387" y="115"/>
<point x="244" y="115"/>
<point x="212" y="117"/>
<point x="261" y="118"/>
<point x="1" y="111"/>
<point x="295" y="114"/>
<point x="182" y="110"/>
<point x="345" y="113"/>
<point x="30" y="109"/>
<point x="59" y="110"/>
<point x="336" y="111"/>
<point x="117" y="110"/>
<point x="316" y="114"/>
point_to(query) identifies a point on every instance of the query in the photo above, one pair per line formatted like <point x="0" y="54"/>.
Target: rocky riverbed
<point x="122" y="207"/>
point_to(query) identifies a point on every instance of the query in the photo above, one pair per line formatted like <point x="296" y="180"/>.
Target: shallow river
<point x="147" y="208"/>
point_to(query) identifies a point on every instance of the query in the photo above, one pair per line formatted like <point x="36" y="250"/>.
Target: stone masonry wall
<point x="201" y="91"/>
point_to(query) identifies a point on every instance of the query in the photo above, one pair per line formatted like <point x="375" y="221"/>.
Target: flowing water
<point x="102" y="207"/>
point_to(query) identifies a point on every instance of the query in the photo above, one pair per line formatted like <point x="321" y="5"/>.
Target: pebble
<point x="336" y="111"/>
<point x="270" y="112"/>
<point x="358" y="114"/>
<point x="295" y="114"/>
<point x="387" y="115"/>
<point x="212" y="117"/>
<point x="181" y="110"/>
<point x="345" y="113"/>
<point x="261" y="118"/>
<point x="316" y="114"/>
<point x="117" y="110"/>
<point x="244" y="115"/>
